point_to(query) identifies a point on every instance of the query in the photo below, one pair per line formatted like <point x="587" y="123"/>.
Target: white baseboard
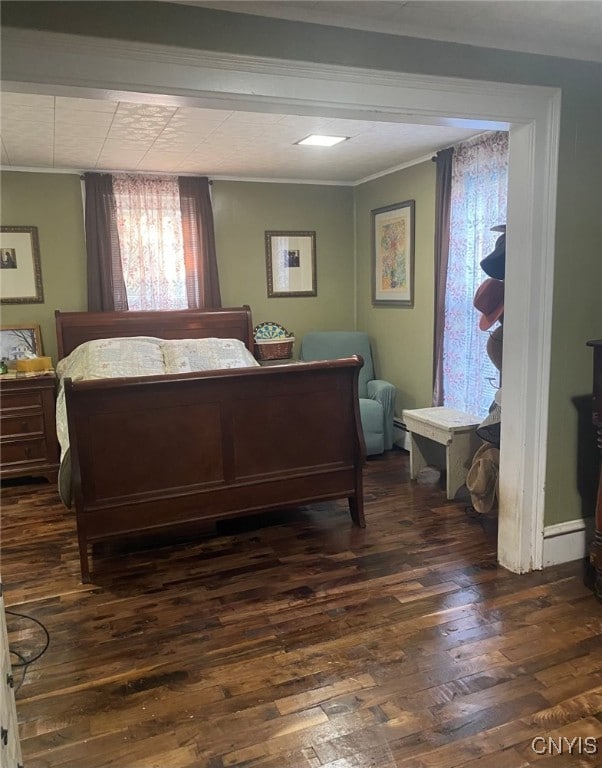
<point x="568" y="541"/>
<point x="401" y="436"/>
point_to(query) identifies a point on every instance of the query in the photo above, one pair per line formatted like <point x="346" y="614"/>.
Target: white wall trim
<point x="69" y="65"/>
<point x="401" y="167"/>
<point x="313" y="182"/>
<point x="33" y="169"/>
<point x="565" y="542"/>
<point x="75" y="171"/>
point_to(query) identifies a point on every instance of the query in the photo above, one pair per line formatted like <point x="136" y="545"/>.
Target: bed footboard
<point x="153" y="452"/>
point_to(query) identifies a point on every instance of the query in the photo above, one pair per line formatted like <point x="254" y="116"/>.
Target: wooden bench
<point x="430" y="428"/>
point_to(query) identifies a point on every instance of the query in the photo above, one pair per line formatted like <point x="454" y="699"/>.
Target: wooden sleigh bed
<point x="149" y="453"/>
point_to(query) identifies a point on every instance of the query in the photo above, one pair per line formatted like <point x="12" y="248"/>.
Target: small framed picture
<point x="18" y="342"/>
<point x="291" y="263"/>
<point x="20" y="270"/>
<point x="393" y="255"/>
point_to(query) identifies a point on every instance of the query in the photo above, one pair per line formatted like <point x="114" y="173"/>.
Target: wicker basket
<point x="274" y="349"/>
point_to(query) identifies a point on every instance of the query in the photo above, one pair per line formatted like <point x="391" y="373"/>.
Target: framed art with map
<point x="393" y="255"/>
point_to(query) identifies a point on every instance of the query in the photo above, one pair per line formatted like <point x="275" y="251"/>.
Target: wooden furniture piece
<point x="152" y="452"/>
<point x="596" y="550"/>
<point x="431" y="427"/>
<point x="28" y="444"/>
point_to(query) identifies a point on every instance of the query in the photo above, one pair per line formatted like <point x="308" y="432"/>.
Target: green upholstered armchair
<point x="377" y="397"/>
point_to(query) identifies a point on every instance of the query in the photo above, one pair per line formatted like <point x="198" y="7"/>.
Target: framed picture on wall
<point x="19" y="341"/>
<point x="393" y="255"/>
<point x="291" y="263"/>
<point x="20" y="270"/>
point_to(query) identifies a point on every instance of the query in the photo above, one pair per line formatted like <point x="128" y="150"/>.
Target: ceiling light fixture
<point x="316" y="140"/>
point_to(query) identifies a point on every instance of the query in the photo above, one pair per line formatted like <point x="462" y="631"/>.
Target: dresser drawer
<point x="28" y="444"/>
<point x="22" y="424"/>
<point x="31" y="400"/>
<point x="16" y="451"/>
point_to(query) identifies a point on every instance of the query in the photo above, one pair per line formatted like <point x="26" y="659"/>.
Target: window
<point x="478" y="203"/>
<point x="150" y="243"/>
<point x="149" y="224"/>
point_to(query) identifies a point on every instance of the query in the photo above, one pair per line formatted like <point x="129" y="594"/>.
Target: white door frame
<point x="60" y="64"/>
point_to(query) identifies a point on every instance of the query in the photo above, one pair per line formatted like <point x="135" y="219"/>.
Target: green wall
<point x="244" y="211"/>
<point x="51" y="202"/>
<point x="577" y="309"/>
<point x="403" y="335"/>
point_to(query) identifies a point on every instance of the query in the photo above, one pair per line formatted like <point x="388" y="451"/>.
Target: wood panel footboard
<point x="149" y="453"/>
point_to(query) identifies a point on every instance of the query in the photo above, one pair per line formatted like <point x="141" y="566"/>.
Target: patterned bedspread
<point x="138" y="356"/>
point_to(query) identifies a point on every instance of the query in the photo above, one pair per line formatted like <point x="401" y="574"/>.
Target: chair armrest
<point x="384" y="393"/>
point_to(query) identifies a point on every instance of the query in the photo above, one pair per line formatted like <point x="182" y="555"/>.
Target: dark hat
<point x="489" y="300"/>
<point x="494" y="264"/>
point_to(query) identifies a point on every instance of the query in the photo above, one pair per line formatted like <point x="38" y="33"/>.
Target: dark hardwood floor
<point x="298" y="641"/>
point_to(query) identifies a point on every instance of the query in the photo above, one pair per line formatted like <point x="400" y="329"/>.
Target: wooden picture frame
<point x="17" y="341"/>
<point x="393" y="255"/>
<point x="20" y="269"/>
<point x="291" y="263"/>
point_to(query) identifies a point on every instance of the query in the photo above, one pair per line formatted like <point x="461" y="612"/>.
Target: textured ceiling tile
<point x="349" y="127"/>
<point x="71" y="104"/>
<point x="145" y="110"/>
<point x="162" y="162"/>
<point x="74" y="132"/>
<point x="307" y="123"/>
<point x="197" y="114"/>
<point x="85" y="133"/>
<point x="97" y="120"/>
<point x="254" y="118"/>
<point x="26" y="114"/>
<point x="27" y="101"/>
<point x="25" y="132"/>
<point x="119" y="161"/>
<point x="190" y="138"/>
<point x="139" y="135"/>
<point x="37" y="158"/>
<point x="83" y="145"/>
<point x="82" y="160"/>
<point x="136" y="127"/>
<point x="236" y="131"/>
<point x="110" y="145"/>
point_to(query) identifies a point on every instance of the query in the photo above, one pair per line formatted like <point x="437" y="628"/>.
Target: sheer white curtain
<point x="149" y="222"/>
<point x="478" y="203"/>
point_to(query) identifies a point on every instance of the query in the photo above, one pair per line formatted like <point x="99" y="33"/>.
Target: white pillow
<point x="187" y="355"/>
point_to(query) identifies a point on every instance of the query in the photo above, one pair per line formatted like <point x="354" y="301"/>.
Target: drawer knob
<point x="28" y="451"/>
<point x="24" y="426"/>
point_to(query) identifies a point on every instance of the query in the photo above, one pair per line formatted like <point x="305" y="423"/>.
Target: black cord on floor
<point x="24" y="661"/>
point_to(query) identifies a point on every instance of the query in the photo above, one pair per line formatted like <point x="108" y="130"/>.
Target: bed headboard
<point x="73" y="328"/>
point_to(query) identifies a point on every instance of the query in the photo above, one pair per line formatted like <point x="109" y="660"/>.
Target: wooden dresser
<point x="28" y="444"/>
<point x="596" y="551"/>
